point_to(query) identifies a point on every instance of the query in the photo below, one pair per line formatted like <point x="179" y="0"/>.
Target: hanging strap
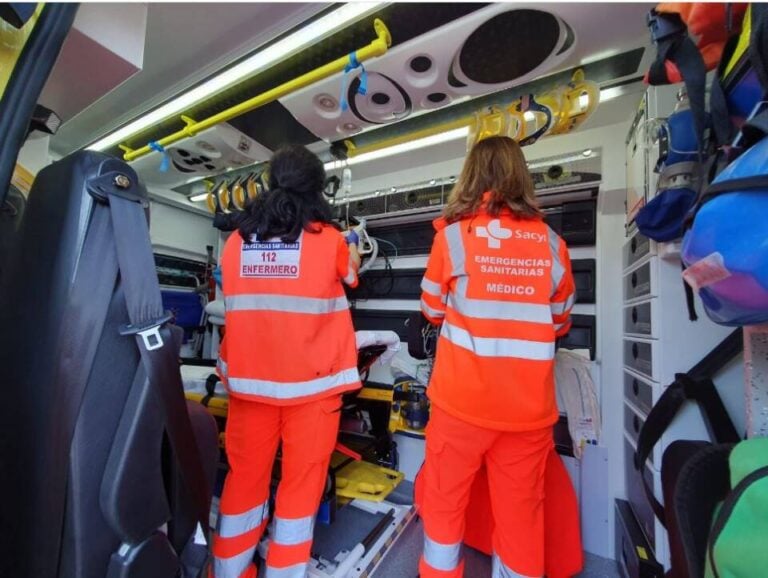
<point x="696" y="385"/>
<point x="362" y="89"/>
<point x="670" y="34"/>
<point x="153" y="338"/>
<point x="758" y="42"/>
<point x="210" y="389"/>
<point x="690" y="302"/>
<point x="165" y="164"/>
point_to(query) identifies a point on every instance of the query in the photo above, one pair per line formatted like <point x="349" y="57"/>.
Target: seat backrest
<point x="83" y="452"/>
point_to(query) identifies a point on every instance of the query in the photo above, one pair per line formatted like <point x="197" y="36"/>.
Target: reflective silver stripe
<point x="290" y="390"/>
<point x="557" y="267"/>
<point x="456" y="249"/>
<point x="296" y="571"/>
<point x="561" y="307"/>
<point x="231" y="525"/>
<point x="285" y="303"/>
<point x="221" y="365"/>
<point x="502" y="310"/>
<point x="432" y="288"/>
<point x="559" y="326"/>
<point x="500" y="570"/>
<point x="498" y="346"/>
<point x="291" y="532"/>
<point x="434" y="313"/>
<point x="235" y="566"/>
<point x="443" y="557"/>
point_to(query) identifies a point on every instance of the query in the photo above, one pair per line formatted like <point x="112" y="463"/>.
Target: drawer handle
<point x="636" y="424"/>
<point x="634" y="315"/>
<point x="635" y="350"/>
<point x="635" y="387"/>
<point x="634" y="280"/>
<point x="633" y="244"/>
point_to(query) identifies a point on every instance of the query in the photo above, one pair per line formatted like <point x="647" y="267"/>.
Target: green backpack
<point x="738" y="541"/>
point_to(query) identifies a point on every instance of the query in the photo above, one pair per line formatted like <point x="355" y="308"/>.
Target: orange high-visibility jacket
<point x="289" y="330"/>
<point x="503" y="290"/>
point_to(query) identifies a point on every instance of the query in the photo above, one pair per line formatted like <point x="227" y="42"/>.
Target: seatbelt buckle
<point x="149" y="333"/>
<point x="663" y="26"/>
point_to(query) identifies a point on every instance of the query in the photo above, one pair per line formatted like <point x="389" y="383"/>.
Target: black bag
<point x="684" y="509"/>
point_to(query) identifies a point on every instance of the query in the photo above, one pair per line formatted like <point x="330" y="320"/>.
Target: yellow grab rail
<point x="377" y="47"/>
<point x="353" y="151"/>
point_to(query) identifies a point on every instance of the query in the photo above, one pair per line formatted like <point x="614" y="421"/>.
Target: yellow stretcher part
<point x="366" y="481"/>
<point x="217" y="406"/>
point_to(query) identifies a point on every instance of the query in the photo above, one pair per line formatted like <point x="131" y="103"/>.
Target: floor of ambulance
<point x="401" y="559"/>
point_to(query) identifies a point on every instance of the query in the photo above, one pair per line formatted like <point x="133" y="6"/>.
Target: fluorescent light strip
<point x="456" y="134"/>
<point x="306" y="36"/>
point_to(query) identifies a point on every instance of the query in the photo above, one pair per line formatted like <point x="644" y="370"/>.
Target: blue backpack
<point x="726" y="248"/>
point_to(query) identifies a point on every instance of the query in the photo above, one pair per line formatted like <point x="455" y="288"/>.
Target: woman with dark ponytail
<point x="295" y="199"/>
<point x="288" y="356"/>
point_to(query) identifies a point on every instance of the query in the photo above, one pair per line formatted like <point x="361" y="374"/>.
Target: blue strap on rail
<point x="165" y="164"/>
<point x="362" y="89"/>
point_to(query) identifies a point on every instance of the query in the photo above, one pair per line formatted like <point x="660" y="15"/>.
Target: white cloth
<point x="194" y="377"/>
<point x="388" y="338"/>
<point x="576" y="395"/>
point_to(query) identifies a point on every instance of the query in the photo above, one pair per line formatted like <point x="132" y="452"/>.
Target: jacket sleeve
<point x="434" y="286"/>
<point x="346" y="269"/>
<point x="564" y="295"/>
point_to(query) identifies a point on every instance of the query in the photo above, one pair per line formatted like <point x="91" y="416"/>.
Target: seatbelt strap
<point x="696" y="385"/>
<point x="148" y="325"/>
<point x="82" y="326"/>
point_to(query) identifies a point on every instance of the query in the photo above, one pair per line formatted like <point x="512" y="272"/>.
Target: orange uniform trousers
<point x="515" y="464"/>
<point x="308" y="432"/>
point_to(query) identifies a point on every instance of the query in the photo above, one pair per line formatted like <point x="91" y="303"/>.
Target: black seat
<point x="91" y="486"/>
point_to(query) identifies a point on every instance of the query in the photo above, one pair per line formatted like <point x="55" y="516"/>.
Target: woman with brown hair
<point x="499" y="282"/>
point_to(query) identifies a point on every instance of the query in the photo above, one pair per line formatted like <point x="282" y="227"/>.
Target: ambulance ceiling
<point x="447" y="60"/>
<point x="184" y="44"/>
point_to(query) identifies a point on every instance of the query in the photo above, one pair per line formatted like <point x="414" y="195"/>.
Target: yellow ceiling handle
<point x="376" y="47"/>
<point x="212" y="203"/>
<point x="224" y="196"/>
<point x="239" y="194"/>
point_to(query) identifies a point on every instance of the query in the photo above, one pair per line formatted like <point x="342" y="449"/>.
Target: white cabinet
<point x="659" y="341"/>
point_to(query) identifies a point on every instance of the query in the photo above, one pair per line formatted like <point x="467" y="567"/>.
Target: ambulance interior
<point x="195" y="97"/>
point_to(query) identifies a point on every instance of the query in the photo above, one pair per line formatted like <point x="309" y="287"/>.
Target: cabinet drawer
<point x="638" y="392"/>
<point x="633" y="423"/>
<point x="641" y="283"/>
<point x="636" y="248"/>
<point x="640" y="319"/>
<point x="640" y="356"/>
<point x="636" y="493"/>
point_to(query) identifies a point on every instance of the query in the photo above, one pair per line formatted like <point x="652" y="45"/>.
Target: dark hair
<point x="294" y="201"/>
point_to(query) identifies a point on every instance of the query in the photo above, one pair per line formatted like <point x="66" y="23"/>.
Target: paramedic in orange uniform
<point x="499" y="283"/>
<point x="288" y="356"/>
